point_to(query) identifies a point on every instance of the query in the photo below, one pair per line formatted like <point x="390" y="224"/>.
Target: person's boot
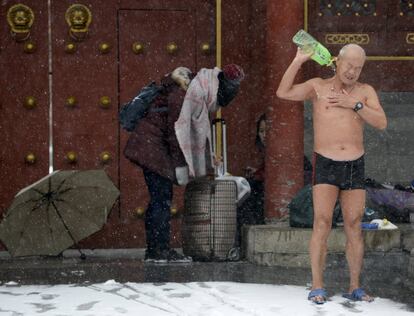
<point x="156" y="256"/>
<point x="175" y="257"/>
<point x="150" y="255"/>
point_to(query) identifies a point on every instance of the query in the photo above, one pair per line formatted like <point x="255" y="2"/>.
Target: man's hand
<point x="343" y="99"/>
<point x="302" y="56"/>
<point x="181" y="173"/>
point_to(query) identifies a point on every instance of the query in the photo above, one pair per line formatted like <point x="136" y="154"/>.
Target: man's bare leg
<point x="324" y="199"/>
<point x="352" y="205"/>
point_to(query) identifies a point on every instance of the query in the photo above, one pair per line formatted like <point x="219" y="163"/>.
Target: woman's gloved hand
<point x="181" y="173"/>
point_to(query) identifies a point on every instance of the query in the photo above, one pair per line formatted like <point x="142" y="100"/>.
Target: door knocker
<point x="78" y="17"/>
<point x="20" y="18"/>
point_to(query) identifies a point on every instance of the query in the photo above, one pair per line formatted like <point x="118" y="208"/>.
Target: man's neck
<point x="338" y="85"/>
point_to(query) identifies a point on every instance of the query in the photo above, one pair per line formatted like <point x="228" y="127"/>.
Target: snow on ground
<point x="200" y="298"/>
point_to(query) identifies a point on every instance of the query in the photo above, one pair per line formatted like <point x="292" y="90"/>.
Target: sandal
<point x="318" y="296"/>
<point x="358" y="295"/>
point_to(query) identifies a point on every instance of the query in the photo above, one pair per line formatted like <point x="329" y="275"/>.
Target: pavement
<point x="129" y="266"/>
<point x="274" y="256"/>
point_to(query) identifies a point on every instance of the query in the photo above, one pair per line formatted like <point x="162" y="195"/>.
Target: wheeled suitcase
<point x="210" y="215"/>
<point x="210" y="221"/>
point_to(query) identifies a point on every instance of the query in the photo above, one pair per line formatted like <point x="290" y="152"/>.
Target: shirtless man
<point x="341" y="107"/>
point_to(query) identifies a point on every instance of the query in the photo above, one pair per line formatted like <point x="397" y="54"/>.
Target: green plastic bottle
<point x="308" y="44"/>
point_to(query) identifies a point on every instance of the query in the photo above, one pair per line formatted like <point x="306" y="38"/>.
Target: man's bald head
<point x="351" y="60"/>
<point x="353" y="51"/>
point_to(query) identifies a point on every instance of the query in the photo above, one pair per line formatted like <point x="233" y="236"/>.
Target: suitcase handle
<point x="220" y="145"/>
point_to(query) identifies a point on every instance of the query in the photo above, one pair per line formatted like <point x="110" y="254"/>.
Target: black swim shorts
<point x="346" y="175"/>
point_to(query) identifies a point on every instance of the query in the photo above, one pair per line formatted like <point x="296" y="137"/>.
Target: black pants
<point x="157" y="215"/>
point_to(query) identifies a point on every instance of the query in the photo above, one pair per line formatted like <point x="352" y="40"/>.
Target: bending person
<point x="171" y="141"/>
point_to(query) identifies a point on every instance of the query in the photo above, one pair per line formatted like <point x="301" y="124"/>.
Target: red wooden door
<point x="85" y="129"/>
<point x="170" y="34"/>
<point x="158" y="32"/>
<point x="24" y="100"/>
<point x="89" y="74"/>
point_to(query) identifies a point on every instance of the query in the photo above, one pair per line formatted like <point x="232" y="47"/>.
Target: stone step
<point x="285" y="246"/>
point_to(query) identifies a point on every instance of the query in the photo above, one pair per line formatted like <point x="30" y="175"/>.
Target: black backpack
<point x="301" y="209"/>
<point x="134" y="110"/>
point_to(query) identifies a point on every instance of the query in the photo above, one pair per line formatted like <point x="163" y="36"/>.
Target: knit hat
<point x="233" y="72"/>
<point x="229" y="83"/>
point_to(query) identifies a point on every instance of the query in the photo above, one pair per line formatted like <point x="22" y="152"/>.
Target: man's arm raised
<point x="295" y="92"/>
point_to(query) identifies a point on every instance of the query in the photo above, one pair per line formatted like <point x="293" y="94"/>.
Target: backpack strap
<point x="160" y="109"/>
